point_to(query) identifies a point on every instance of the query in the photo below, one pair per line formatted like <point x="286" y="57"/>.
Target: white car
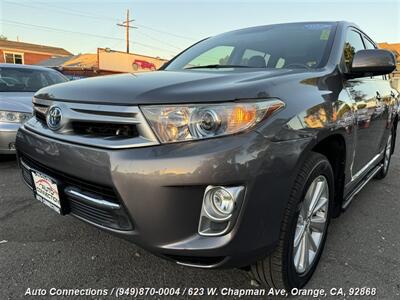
<point x="18" y="83"/>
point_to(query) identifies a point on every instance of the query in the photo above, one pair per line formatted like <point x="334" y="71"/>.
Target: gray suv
<point x="237" y="153"/>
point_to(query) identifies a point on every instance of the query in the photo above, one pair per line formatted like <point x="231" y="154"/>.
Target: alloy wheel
<point x="311" y="225"/>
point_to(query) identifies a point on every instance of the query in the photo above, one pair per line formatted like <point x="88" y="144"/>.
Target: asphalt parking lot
<point x="39" y="249"/>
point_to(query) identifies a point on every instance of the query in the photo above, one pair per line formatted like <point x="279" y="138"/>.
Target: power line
<point x="85" y="15"/>
<point x="158" y="40"/>
<point x="76" y="12"/>
<point x="169" y="33"/>
<point x="64" y="11"/>
<point x="81" y="33"/>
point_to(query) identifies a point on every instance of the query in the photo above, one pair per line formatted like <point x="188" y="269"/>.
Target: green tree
<point x="3" y="38"/>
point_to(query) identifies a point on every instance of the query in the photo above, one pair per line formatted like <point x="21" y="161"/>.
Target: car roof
<point x="336" y="23"/>
<point x="18" y="66"/>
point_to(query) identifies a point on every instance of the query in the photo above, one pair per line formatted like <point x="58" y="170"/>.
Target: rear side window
<point x="353" y="44"/>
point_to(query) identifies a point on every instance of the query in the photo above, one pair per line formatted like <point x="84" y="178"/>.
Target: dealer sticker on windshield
<point x="46" y="191"/>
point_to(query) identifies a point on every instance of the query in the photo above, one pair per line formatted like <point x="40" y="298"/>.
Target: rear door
<point x="385" y="102"/>
<point x="368" y="108"/>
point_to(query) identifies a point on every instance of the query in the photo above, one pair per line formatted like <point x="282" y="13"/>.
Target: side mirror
<point x="372" y="62"/>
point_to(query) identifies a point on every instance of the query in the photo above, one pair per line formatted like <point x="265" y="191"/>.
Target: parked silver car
<point x="18" y="83"/>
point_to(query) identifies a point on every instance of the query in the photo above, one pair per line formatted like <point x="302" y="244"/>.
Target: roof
<point x="18" y="66"/>
<point x="392" y="47"/>
<point x="82" y="61"/>
<point x="55" y="61"/>
<point x="5" y="44"/>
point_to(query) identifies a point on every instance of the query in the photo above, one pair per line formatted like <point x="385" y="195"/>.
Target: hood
<point x="195" y="86"/>
<point x="16" y="101"/>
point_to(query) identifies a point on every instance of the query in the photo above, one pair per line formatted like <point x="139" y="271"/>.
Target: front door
<point x="369" y="109"/>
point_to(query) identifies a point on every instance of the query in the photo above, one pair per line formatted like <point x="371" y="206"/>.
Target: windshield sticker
<point x="325" y="34"/>
<point x="316" y="26"/>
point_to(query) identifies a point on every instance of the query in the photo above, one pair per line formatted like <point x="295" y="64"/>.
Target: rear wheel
<point x="303" y="230"/>
<point x="386" y="158"/>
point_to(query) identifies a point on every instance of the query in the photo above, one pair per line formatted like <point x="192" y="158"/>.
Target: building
<point x="29" y="54"/>
<point x="395" y="48"/>
<point x="104" y="62"/>
<point x="118" y="61"/>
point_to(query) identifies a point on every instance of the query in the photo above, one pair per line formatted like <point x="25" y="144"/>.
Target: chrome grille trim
<point x="80" y="112"/>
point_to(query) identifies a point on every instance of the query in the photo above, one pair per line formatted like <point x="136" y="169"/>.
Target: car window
<point x="353" y="44"/>
<point x="368" y="43"/>
<point x="249" y="54"/>
<point x="27" y="80"/>
<point x="217" y="55"/>
<point x="297" y="45"/>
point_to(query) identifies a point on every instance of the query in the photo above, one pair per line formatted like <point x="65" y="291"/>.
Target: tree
<point x="3" y="38"/>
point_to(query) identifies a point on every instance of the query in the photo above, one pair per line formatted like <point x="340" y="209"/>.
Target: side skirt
<point x="360" y="186"/>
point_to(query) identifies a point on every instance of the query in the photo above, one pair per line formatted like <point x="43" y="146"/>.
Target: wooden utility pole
<point x="126" y="24"/>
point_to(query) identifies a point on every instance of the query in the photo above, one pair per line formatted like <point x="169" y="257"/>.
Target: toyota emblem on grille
<point x="54" y="117"/>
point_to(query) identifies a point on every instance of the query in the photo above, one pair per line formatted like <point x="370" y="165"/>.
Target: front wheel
<point x="303" y="230"/>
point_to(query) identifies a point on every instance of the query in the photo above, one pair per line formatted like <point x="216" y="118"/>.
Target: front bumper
<point x="160" y="188"/>
<point x="8" y="132"/>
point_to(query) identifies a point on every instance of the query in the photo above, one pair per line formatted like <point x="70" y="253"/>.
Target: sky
<point x="164" y="28"/>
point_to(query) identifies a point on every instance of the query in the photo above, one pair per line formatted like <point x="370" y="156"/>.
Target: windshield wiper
<point x="216" y="66"/>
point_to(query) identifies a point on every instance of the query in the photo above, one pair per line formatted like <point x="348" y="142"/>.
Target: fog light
<point x="219" y="210"/>
<point x="218" y="203"/>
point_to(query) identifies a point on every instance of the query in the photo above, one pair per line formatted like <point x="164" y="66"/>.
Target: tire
<point x="387" y="156"/>
<point x="278" y="270"/>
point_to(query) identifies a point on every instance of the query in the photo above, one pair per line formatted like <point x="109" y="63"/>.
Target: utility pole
<point x="126" y="24"/>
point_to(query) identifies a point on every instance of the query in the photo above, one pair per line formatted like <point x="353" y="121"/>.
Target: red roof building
<point x="24" y="53"/>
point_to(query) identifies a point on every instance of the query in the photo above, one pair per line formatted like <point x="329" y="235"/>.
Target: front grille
<point x="41" y="117"/>
<point x="115" y="219"/>
<point x="103" y="126"/>
<point x="106" y="218"/>
<point x="40" y="111"/>
<point x="94" y="129"/>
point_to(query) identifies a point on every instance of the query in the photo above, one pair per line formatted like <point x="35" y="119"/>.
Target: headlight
<point x="14" y="117"/>
<point x="175" y="123"/>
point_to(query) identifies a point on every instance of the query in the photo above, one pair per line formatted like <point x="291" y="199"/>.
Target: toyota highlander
<point x="236" y="153"/>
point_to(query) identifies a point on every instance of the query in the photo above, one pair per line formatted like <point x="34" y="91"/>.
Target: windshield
<point x="301" y="45"/>
<point x="27" y="80"/>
